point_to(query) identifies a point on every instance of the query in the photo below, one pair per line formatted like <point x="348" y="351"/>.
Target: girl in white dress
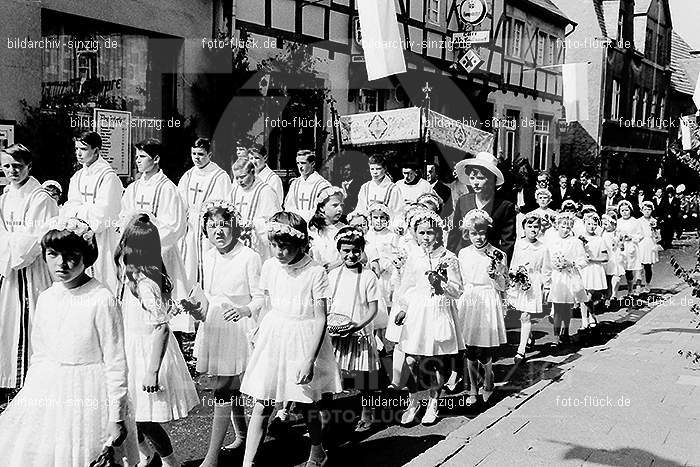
<point x="74" y="401"/>
<point x="630" y="231"/>
<point x="292" y="358"/>
<point x="567" y="257"/>
<point x="529" y="257"/>
<point x="648" y="246"/>
<point x="24" y="209"/>
<point x="593" y="274"/>
<point x="323" y="226"/>
<point x="614" y="267"/>
<point x="355" y="295"/>
<point x="379" y="250"/>
<point x="159" y="382"/>
<point x="430" y="285"/>
<point x="231" y="278"/>
<point x="481" y="320"/>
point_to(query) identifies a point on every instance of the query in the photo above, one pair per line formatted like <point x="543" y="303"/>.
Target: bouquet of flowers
<point x="652" y="222"/>
<point x="496" y="266"/>
<point x="521" y="278"/>
<point x="247" y="236"/>
<point x="438" y="274"/>
<point x="560" y="262"/>
<point x="399" y="256"/>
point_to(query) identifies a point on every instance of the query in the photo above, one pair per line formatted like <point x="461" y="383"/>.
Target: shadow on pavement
<point x="622" y="457"/>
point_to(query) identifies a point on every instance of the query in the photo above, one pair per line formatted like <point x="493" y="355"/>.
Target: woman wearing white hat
<point x="484" y="177"/>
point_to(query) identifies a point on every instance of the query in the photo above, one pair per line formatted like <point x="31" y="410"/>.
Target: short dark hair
<point x="91" y="138"/>
<point x="258" y="148"/>
<point x="65" y="241"/>
<point x="150" y="146"/>
<point x="203" y="143"/>
<point x="377" y="159"/>
<point x="227" y="216"/>
<point x="350" y="236"/>
<point x="293" y="220"/>
<point x="18" y="152"/>
<point x="308" y="153"/>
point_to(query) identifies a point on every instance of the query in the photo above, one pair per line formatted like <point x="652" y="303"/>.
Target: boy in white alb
<point x="380" y="189"/>
<point x="412" y="186"/>
<point x="206" y="180"/>
<point x="157" y="195"/>
<point x="304" y="190"/>
<point x="256" y="202"/>
<point x="258" y="156"/>
<point x="94" y="195"/>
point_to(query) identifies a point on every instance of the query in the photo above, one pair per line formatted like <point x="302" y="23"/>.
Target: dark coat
<point x="557" y="198"/>
<point x="589" y="194"/>
<point x="444" y="192"/>
<point x="502" y="234"/>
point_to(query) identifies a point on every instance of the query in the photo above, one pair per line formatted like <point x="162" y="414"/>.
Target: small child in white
<point x="323" y="226"/>
<point x="566" y="286"/>
<point x="630" y="231"/>
<point x="480" y="308"/>
<point x="355" y="297"/>
<point x="614" y="267"/>
<point x="593" y="274"/>
<point x="648" y="246"/>
<point x="530" y="258"/>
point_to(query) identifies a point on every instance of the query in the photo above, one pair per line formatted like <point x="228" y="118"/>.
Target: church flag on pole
<point x="381" y="41"/>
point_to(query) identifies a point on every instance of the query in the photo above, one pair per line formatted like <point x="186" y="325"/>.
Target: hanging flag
<point x="575" y="80"/>
<point x="696" y="94"/>
<point x="381" y="41"/>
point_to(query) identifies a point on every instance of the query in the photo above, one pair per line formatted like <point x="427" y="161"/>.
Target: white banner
<point x="381" y="41"/>
<point x="575" y="81"/>
<point x="389" y="126"/>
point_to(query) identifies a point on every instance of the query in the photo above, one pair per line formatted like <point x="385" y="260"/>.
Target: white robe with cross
<point x="385" y="192"/>
<point x="269" y="177"/>
<point x="158" y="196"/>
<point x="94" y="195"/>
<point x="302" y="195"/>
<point x="24" y="213"/>
<point x="197" y="186"/>
<point x="256" y="204"/>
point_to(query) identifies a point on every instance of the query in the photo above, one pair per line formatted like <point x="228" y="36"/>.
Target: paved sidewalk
<point x="632" y="402"/>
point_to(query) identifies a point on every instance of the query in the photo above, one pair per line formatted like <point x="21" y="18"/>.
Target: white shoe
<point x="410" y="413"/>
<point x="431" y="413"/>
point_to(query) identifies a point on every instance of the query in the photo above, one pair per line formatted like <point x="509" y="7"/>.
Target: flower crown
<point x="567" y="216"/>
<point x="378" y="206"/>
<point x="355" y="214"/>
<point x="624" y="202"/>
<point x="543" y="191"/>
<point x="591" y="214"/>
<point x="648" y="203"/>
<point x="349" y="233"/>
<point x="221" y="204"/>
<point x="431" y="197"/>
<point x="77" y="226"/>
<point x="569" y="203"/>
<point x="474" y="215"/>
<point x="280" y="228"/>
<point x="533" y="215"/>
<point x="426" y="214"/>
<point x="325" y="194"/>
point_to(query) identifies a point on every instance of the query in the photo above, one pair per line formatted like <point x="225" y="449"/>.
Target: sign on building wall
<point x="473" y="11"/>
<point x="114" y="126"/>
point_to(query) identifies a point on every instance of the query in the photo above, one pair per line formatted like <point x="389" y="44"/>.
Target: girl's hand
<point x="234" y="314"/>
<point x="150" y="382"/>
<point x="305" y="373"/>
<point x="353" y="328"/>
<point x="116" y="433"/>
<point x="400" y="317"/>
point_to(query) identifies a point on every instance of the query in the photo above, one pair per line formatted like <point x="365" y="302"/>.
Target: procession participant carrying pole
<point x="425" y="123"/>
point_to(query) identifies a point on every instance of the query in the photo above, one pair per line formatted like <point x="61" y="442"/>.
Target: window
<point x="433" y="13"/>
<point x="516" y="40"/>
<point x="541" y="41"/>
<point x="551" y="57"/>
<point x="648" y="43"/>
<point x="662" y="108"/>
<point x="645" y="102"/>
<point x="654" y="100"/>
<point x="369" y="100"/>
<point x="540" y="146"/>
<point x="635" y="105"/>
<point x="615" y="107"/>
<point x="511" y="133"/>
<point x="661" y="51"/>
<point x="620" y="23"/>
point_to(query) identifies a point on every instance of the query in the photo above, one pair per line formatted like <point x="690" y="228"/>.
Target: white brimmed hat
<point x="483" y="160"/>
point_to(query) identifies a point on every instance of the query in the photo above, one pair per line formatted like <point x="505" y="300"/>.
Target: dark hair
<point x="150" y="146"/>
<point x="226" y="215"/>
<point x="258" y="148"/>
<point x="139" y="251"/>
<point x="293" y="220"/>
<point x="352" y="237"/>
<point x="19" y="152"/>
<point x="91" y="138"/>
<point x="377" y="159"/>
<point x="309" y="154"/>
<point x="203" y="143"/>
<point x="318" y="220"/>
<point x="65" y="241"/>
<point x="527" y="220"/>
<point x="439" y="240"/>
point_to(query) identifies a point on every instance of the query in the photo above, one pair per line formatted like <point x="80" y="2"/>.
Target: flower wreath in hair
<point x="426" y="215"/>
<point x="476" y="214"/>
<point x="221" y="204"/>
<point x="356" y="214"/>
<point x="568" y="216"/>
<point x="624" y="202"/>
<point x="77" y="226"/>
<point x="280" y="228"/>
<point x="349" y="233"/>
<point x="325" y="194"/>
<point x="379" y="206"/>
<point x="431" y="197"/>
